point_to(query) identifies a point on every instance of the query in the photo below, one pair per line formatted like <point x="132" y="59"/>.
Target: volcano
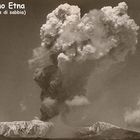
<point x="74" y="48"/>
<point x="38" y="130"/>
<point x="102" y="130"/>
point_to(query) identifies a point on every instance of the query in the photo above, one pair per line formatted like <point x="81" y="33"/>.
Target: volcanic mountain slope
<point x="34" y="128"/>
<point x="102" y="130"/>
<point x="38" y="130"/>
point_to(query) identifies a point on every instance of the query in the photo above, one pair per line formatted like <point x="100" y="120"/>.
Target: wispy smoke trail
<point x="77" y="101"/>
<point x="132" y="117"/>
<point x="73" y="47"/>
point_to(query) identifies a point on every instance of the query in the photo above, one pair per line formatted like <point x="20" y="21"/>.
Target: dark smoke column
<point x="71" y="49"/>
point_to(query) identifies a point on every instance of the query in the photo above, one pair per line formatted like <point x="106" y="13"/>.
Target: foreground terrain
<point x="38" y="130"/>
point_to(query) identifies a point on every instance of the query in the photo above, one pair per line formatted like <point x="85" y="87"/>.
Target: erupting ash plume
<point x="73" y="47"/>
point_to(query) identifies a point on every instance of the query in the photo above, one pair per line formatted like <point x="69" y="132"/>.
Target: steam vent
<point x="72" y="49"/>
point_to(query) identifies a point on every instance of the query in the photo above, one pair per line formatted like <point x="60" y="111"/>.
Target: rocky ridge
<point x="34" y="128"/>
<point x="37" y="129"/>
<point x="104" y="130"/>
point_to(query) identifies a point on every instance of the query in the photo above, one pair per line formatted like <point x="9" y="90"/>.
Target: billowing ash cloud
<point x="132" y="117"/>
<point x="73" y="47"/>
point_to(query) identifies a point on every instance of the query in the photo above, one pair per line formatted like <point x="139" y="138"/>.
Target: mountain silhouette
<point x="38" y="130"/>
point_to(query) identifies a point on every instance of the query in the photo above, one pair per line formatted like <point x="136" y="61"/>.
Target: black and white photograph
<point x="69" y="69"/>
